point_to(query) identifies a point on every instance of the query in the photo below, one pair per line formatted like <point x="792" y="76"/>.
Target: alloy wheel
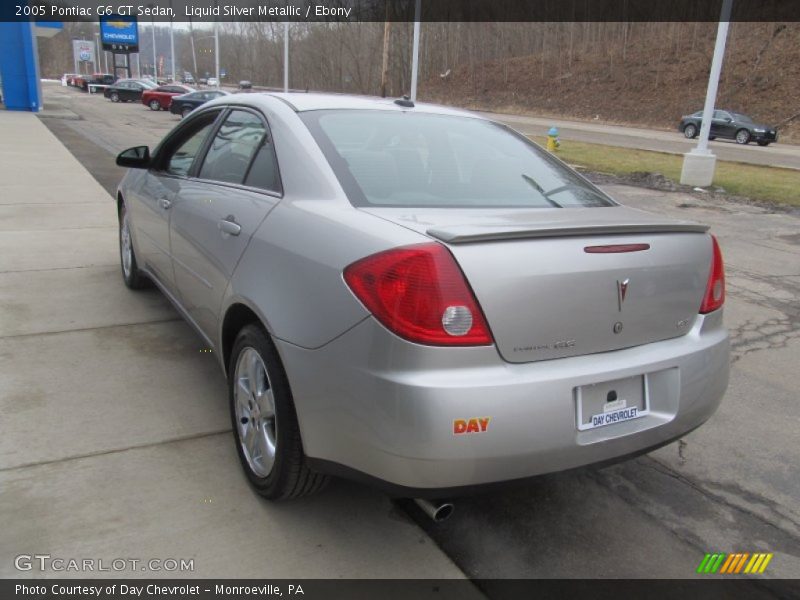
<point x="255" y="412"/>
<point x="125" y="245"/>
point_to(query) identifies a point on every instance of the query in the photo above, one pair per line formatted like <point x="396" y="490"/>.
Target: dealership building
<point x="19" y="63"/>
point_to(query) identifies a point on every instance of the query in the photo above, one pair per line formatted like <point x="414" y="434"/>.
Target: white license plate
<point x="613" y="416"/>
<point x="611" y="402"/>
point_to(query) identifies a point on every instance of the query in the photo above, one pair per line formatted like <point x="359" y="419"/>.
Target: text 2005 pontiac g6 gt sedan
<point x="418" y="297"/>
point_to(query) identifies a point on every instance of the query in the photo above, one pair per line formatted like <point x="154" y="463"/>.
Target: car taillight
<point x="715" y="288"/>
<point x="419" y="293"/>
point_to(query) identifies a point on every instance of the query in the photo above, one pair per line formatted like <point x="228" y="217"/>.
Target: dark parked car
<point x="183" y="105"/>
<point x="126" y="90"/>
<point x="731" y="125"/>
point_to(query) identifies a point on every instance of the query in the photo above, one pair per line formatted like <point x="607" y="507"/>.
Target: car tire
<point x="763" y="143"/>
<point x="712" y="137"/>
<point x="114" y="97"/>
<point x="690" y="130"/>
<point x="742" y="137"/>
<point x="265" y="428"/>
<point x="131" y="274"/>
<point x="185" y="112"/>
<point x="154" y="105"/>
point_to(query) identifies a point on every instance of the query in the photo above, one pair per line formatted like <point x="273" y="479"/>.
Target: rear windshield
<point x="407" y="159"/>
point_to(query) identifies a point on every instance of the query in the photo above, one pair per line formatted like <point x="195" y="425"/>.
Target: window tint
<point x="180" y="161"/>
<point x="233" y="147"/>
<point x="387" y="158"/>
<point x="264" y="170"/>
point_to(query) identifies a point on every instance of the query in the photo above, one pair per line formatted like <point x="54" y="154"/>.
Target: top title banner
<point x="402" y="10"/>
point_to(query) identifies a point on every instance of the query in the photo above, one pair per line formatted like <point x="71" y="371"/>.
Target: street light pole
<point x="415" y="52"/>
<point x="699" y="164"/>
<point x="286" y="56"/>
<point x="194" y="55"/>
<point x="216" y="52"/>
<point x="155" y="60"/>
<point x="172" y="44"/>
<point x="96" y="51"/>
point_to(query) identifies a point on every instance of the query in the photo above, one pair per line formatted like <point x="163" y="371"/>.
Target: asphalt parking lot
<point x="116" y="432"/>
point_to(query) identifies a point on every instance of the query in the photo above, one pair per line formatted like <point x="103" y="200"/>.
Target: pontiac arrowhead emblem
<point x="622" y="290"/>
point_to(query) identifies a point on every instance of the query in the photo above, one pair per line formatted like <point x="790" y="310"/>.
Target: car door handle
<point x="165" y="203"/>
<point x="229" y="226"/>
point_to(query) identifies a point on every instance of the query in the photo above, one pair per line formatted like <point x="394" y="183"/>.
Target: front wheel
<point x="185" y="112"/>
<point x="763" y="143"/>
<point x="131" y="274"/>
<point x="154" y="105"/>
<point x="264" y="421"/>
<point x="742" y="136"/>
<point x="114" y="97"/>
<point x="690" y="131"/>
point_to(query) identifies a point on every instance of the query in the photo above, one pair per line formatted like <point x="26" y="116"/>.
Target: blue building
<point x="19" y="63"/>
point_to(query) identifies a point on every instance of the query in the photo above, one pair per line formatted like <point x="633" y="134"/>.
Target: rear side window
<point x="264" y="170"/>
<point x="232" y="149"/>
<point x="408" y="159"/>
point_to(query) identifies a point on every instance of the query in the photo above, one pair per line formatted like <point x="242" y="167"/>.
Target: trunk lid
<point x="545" y="296"/>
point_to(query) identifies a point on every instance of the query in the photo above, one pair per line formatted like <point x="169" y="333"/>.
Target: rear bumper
<point x="374" y="406"/>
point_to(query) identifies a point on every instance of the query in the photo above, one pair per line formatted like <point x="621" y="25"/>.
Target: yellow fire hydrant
<point x="552" y="140"/>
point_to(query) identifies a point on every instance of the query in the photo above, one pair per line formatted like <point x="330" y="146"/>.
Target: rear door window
<point x="233" y="148"/>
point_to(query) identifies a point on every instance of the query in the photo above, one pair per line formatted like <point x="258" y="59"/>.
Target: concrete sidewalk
<point x="115" y="437"/>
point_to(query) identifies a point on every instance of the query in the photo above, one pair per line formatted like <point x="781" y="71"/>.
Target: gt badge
<point x="478" y="425"/>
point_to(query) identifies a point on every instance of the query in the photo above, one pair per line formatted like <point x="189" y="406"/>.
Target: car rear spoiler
<point x="464" y="234"/>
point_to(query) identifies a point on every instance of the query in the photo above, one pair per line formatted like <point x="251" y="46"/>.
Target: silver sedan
<point x="418" y="297"/>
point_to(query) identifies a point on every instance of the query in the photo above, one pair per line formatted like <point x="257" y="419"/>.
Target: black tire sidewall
<point x="273" y="485"/>
<point x="134" y="280"/>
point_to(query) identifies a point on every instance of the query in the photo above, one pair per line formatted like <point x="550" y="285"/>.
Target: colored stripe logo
<point x="734" y="564"/>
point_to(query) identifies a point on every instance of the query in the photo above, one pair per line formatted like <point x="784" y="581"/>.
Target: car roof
<point x="303" y="102"/>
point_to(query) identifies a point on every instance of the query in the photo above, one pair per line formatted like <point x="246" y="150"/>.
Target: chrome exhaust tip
<point x="437" y="511"/>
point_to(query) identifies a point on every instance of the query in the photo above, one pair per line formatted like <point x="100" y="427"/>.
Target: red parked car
<point x="160" y="98"/>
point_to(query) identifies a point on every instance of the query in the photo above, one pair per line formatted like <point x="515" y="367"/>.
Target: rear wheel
<point x="690" y="130"/>
<point x="742" y="136"/>
<point x="763" y="143"/>
<point x="264" y="420"/>
<point x="131" y="275"/>
<point x="114" y="97"/>
<point x="154" y="105"/>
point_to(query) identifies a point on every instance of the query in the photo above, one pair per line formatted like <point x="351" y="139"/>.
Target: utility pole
<point x="415" y="54"/>
<point x="699" y="164"/>
<point x="286" y="56"/>
<point x="387" y="33"/>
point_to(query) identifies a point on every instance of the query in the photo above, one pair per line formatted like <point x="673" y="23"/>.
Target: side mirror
<point x="728" y="119"/>
<point x="137" y="157"/>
